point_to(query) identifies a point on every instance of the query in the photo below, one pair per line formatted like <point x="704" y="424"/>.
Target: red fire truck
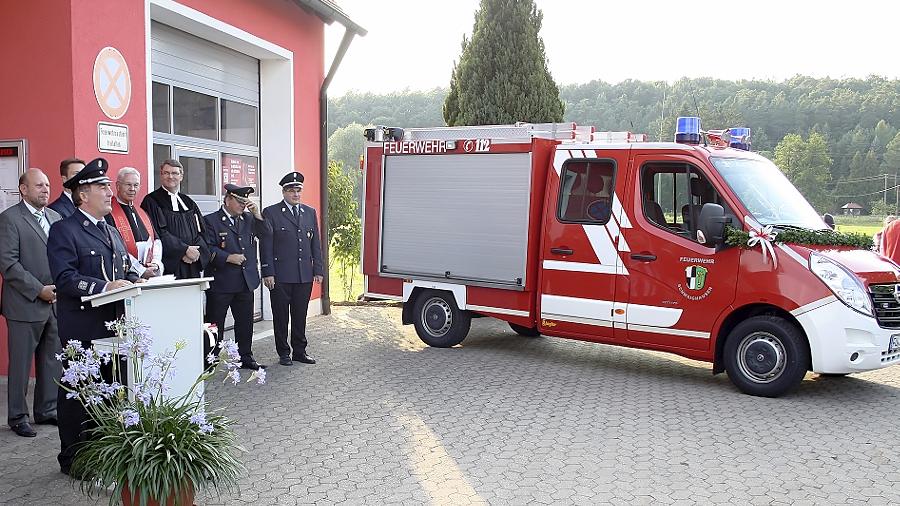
<point x="602" y="236"/>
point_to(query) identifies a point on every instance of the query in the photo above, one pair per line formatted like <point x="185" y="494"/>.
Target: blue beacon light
<point x="687" y="130"/>
<point x="739" y="138"/>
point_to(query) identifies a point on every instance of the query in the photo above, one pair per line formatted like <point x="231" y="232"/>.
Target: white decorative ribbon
<point x="765" y="237"/>
<point x="211" y="332"/>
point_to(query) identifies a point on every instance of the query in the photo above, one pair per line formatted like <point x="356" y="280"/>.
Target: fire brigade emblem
<point x="695" y="277"/>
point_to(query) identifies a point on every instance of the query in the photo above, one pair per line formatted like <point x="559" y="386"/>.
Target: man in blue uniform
<point x="232" y="233"/>
<point x="67" y="168"/>
<point x="291" y="262"/>
<point x="87" y="257"/>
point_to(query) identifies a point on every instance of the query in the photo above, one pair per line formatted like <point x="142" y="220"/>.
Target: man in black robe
<point x="178" y="223"/>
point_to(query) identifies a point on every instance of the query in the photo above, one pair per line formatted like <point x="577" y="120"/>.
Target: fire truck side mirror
<point x="711" y="225"/>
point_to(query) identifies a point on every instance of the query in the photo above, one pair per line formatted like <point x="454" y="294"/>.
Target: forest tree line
<point x="836" y="139"/>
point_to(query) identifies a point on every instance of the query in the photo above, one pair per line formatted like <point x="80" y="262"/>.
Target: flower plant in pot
<point x="147" y="447"/>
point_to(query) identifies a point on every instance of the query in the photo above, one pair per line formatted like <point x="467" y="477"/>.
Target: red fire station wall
<point x="47" y="52"/>
<point x="48" y="48"/>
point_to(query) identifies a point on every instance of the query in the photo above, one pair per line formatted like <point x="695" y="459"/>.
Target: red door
<point x="580" y="252"/>
<point x="676" y="287"/>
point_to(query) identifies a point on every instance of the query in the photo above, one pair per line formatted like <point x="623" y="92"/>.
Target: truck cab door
<point x="580" y="248"/>
<point x="677" y="287"/>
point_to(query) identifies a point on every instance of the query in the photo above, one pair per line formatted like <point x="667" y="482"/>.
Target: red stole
<point x="121" y="221"/>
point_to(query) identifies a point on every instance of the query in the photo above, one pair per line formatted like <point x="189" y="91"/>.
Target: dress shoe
<point x="306" y="359"/>
<point x="47" y="421"/>
<point x="252" y="365"/>
<point x="24" y="429"/>
<point x="285" y="361"/>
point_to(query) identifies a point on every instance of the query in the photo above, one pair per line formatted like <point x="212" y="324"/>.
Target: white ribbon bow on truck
<point x="765" y="237"/>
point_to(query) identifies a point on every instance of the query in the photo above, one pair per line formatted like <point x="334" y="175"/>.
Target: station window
<point x="585" y="191"/>
<point x="161" y="153"/>
<point x="239" y="123"/>
<point x="199" y="175"/>
<point x="195" y="114"/>
<point x="161" y="112"/>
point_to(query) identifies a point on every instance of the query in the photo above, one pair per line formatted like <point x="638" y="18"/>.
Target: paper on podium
<point x="161" y="279"/>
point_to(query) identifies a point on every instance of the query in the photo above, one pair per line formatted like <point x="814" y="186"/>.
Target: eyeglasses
<point x="130" y="185"/>
<point x="166" y="173"/>
<point x="293" y="190"/>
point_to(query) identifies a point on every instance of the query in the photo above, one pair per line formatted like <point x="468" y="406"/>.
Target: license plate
<point x="894" y="345"/>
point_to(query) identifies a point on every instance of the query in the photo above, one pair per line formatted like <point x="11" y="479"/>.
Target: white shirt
<point x="45" y="223"/>
<point x="137" y="266"/>
<point x="292" y="206"/>
<point x="88" y="216"/>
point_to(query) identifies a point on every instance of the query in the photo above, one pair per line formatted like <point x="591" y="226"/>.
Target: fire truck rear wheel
<point x="766" y="356"/>
<point x="525" y="331"/>
<point x="438" y="320"/>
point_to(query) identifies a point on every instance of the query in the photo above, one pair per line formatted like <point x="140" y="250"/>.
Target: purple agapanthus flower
<point x="231" y="348"/>
<point x="206" y="428"/>
<point x="130" y="417"/>
<point x="198" y="418"/>
<point x="260" y="376"/>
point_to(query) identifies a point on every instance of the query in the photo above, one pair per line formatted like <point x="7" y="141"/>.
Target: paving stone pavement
<point x="503" y="419"/>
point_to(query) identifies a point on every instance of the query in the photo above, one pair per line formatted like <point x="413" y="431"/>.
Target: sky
<point x="412" y="44"/>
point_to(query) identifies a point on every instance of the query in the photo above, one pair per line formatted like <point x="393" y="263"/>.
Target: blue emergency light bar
<point x="739" y="138"/>
<point x="687" y="130"/>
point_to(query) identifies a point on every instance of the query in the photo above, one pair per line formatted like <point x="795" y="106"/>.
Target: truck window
<point x="672" y="195"/>
<point x="585" y="191"/>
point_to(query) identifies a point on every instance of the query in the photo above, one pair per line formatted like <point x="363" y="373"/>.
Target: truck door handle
<point x="561" y="251"/>
<point x="643" y="257"/>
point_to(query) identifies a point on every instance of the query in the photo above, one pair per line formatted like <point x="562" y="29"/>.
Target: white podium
<point x="173" y="309"/>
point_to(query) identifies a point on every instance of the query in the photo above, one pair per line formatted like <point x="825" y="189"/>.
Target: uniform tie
<point x="294" y="211"/>
<point x="105" y="230"/>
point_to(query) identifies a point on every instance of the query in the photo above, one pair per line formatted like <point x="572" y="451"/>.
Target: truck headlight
<point x="845" y="285"/>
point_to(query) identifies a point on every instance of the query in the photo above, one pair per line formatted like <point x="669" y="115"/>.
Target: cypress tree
<point x="502" y="74"/>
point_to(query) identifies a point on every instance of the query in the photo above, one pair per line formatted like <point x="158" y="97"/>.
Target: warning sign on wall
<point x="112" y="82"/>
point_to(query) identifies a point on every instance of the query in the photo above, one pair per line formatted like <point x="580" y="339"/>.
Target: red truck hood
<point x="868" y="265"/>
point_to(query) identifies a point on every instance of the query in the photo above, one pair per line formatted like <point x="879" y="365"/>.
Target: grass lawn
<point x="869" y="230"/>
<point x="336" y="279"/>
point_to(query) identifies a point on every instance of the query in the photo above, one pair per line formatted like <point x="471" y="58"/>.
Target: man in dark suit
<point x="232" y="233"/>
<point x="67" y="168"/>
<point x="87" y="257"/>
<point x="178" y="224"/>
<point x="27" y="303"/>
<point x="291" y="262"/>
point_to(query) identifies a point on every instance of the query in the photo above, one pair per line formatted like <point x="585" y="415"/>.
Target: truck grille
<point x="887" y="309"/>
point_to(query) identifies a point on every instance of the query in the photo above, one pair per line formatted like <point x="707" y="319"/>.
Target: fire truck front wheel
<point x="766" y="356"/>
<point x="438" y="320"/>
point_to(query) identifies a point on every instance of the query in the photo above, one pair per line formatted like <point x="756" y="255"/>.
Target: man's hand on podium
<point x="119" y="283"/>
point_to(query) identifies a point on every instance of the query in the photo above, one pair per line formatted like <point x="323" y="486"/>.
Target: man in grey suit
<point x="27" y="302"/>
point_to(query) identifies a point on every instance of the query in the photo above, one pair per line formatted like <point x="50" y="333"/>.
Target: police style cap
<point x="291" y="179"/>
<point x="93" y="172"/>
<point x="238" y="191"/>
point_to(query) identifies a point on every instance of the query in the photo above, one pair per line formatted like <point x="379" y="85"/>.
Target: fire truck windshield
<point x="767" y="193"/>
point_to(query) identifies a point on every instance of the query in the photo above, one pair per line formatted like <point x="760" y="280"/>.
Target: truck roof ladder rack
<point x="518" y="131"/>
